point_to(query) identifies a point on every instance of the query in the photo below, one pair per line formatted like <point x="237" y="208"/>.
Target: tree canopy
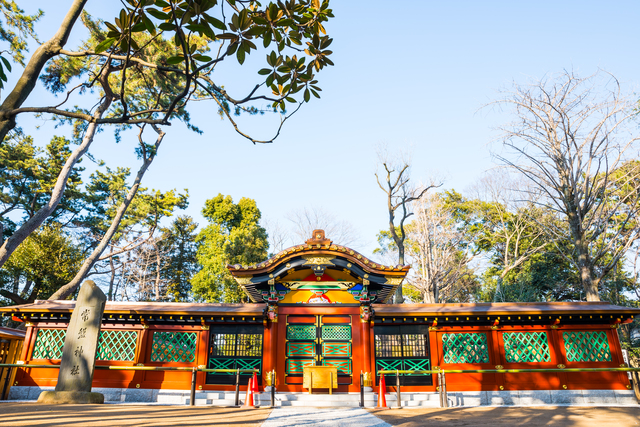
<point x="233" y="236"/>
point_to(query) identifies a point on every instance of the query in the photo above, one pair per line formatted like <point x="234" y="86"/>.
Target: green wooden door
<point x="311" y="341"/>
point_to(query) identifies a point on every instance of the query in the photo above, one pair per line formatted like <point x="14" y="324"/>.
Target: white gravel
<point x="325" y="417"/>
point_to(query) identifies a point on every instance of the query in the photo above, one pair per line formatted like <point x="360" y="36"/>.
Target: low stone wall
<point x="456" y="398"/>
<point x="112" y="395"/>
<point x="527" y="397"/>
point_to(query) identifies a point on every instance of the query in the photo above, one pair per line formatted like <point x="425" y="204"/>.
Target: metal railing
<point x="442" y="382"/>
<point x="194" y="370"/>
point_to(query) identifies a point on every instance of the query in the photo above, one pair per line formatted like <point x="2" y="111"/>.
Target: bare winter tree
<point x="279" y="236"/>
<point x="142" y="271"/>
<point x="307" y="219"/>
<point x="573" y="138"/>
<point x="394" y="180"/>
<point x="439" y="250"/>
<point x="512" y="221"/>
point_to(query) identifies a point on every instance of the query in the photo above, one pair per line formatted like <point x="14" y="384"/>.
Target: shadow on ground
<point x="32" y="414"/>
<point x="510" y="416"/>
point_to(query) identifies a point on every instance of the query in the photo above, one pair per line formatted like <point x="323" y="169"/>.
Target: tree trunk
<point x="44" y="212"/>
<point x="436" y="293"/>
<point x="27" y="288"/>
<point x="497" y="297"/>
<point x="16" y="283"/>
<point x="13" y="297"/>
<point x="112" y="278"/>
<point x="157" y="281"/>
<point x="398" y="297"/>
<point x="585" y="268"/>
<point x="589" y="283"/>
<point x="70" y="287"/>
<point x="34" y="67"/>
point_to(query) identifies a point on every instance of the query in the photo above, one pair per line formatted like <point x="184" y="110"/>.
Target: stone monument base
<point x="82" y="397"/>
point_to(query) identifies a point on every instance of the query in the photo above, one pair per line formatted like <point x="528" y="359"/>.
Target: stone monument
<point x="79" y="351"/>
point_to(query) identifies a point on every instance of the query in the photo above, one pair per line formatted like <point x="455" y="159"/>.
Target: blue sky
<point x="411" y="74"/>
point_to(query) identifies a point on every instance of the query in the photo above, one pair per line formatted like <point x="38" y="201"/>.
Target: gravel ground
<point x="573" y="416"/>
<point x="322" y="417"/>
<point x="33" y="414"/>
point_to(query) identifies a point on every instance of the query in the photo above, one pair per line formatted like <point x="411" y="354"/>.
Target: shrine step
<point x="426" y="399"/>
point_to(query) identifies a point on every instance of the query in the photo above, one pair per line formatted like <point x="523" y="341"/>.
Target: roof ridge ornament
<point x="318" y="238"/>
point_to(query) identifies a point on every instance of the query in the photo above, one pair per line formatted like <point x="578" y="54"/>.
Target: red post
<point x="366" y="345"/>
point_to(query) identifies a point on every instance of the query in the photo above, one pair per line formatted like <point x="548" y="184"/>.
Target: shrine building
<point x="322" y="304"/>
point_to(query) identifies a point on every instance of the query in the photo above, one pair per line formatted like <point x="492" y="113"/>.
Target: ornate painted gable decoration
<point x="319" y="272"/>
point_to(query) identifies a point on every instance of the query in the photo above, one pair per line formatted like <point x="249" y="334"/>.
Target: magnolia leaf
<point x="202" y="58"/>
<point x="167" y="26"/>
<point x="215" y="22"/>
<point x="241" y="56"/>
<point x="158" y="14"/>
<point x="175" y="60"/>
<point x="106" y="44"/>
<point x="140" y="26"/>
<point x="149" y="25"/>
<point x="6" y="63"/>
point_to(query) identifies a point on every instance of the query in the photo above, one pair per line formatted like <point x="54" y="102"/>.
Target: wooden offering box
<point x="320" y="377"/>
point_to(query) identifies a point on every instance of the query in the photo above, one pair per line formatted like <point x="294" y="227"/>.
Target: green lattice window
<point x="523" y="347"/>
<point x="234" y="347"/>
<point x="336" y="332"/>
<point x="344" y="366"/>
<point x="403" y="348"/>
<point x="465" y="348"/>
<point x="403" y="365"/>
<point x="301" y="332"/>
<point x="336" y="349"/>
<point x="301" y="349"/>
<point x="117" y="345"/>
<point x="49" y="343"/>
<point x="216" y="363"/>
<point x="174" y="347"/>
<point x="586" y="346"/>
<point x="295" y="366"/>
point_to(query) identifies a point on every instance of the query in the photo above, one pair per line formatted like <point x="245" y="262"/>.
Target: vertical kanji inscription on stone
<point x="81" y="341"/>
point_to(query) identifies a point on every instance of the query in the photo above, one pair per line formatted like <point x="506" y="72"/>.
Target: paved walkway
<point x="322" y="417"/>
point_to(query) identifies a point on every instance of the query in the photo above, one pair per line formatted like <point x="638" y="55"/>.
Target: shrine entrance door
<point x="317" y="340"/>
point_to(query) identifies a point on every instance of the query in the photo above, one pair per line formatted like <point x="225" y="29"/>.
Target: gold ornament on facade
<point x="367" y="380"/>
<point x="269" y="379"/>
<point x="242" y="281"/>
<point x="318" y="260"/>
<point x="393" y="280"/>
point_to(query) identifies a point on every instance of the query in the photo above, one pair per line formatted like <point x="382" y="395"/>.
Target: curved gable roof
<point x="318" y="255"/>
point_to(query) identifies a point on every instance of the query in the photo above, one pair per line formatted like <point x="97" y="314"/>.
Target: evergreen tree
<point x="178" y="242"/>
<point x="233" y="236"/>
